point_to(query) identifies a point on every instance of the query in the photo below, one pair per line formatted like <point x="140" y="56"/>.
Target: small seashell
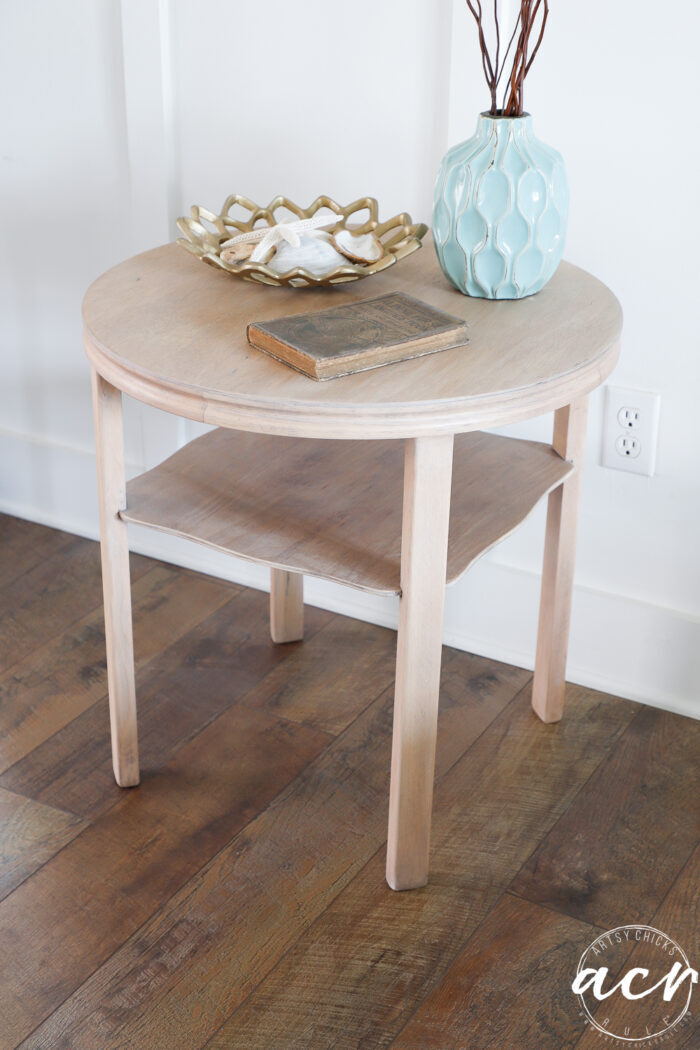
<point x="314" y="253"/>
<point x="237" y="253"/>
<point x="362" y="247"/>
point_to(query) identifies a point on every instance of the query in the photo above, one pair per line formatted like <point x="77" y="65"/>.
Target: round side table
<point x="383" y="480"/>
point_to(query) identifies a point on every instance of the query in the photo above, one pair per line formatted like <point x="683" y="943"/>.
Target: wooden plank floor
<point x="236" y="899"/>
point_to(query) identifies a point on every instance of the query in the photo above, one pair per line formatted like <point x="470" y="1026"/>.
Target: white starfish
<point x="271" y="236"/>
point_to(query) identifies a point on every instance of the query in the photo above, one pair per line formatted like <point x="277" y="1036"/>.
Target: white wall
<point x="118" y="115"/>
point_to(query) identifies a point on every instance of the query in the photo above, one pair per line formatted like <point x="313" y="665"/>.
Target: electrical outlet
<point x="626" y="445"/>
<point x="629" y="417"/>
<point x="630" y="430"/>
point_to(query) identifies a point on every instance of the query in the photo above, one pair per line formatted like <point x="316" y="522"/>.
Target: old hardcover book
<point x="358" y="336"/>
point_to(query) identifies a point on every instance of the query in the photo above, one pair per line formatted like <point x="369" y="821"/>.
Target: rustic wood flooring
<point x="236" y="899"/>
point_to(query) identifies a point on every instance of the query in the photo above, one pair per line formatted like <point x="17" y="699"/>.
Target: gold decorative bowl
<point x="205" y="233"/>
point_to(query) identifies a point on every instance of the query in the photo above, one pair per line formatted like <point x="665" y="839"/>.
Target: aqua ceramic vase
<point x="500" y="210"/>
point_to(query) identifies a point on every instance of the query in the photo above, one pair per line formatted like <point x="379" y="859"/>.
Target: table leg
<point x="109" y="441"/>
<point x="426" y="513"/>
<point x="558" y="568"/>
<point x="286" y="606"/>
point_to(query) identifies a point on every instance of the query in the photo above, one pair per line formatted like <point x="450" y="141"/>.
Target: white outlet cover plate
<point x="645" y="429"/>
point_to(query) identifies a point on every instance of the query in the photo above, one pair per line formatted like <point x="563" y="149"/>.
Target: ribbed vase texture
<point x="500" y="210"/>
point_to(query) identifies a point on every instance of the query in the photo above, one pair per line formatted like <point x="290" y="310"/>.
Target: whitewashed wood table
<point x="381" y="480"/>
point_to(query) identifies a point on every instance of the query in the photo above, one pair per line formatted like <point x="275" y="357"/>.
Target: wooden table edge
<point x="356" y="422"/>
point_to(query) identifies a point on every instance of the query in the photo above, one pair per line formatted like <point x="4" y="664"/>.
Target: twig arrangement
<point x="531" y="11"/>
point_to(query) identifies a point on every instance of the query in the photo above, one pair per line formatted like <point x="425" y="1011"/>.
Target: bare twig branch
<point x="545" y="15"/>
<point x="507" y="51"/>
<point x="489" y="71"/>
<point x="527" y="18"/>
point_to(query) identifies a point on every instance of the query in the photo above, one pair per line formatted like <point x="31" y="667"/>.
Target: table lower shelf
<point x="333" y="508"/>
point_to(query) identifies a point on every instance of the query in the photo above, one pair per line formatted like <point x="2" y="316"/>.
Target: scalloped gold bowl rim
<point x="206" y="245"/>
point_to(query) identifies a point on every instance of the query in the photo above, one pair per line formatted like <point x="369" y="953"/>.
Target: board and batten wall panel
<point x="311" y="98"/>
<point x="633" y="221"/>
<point x="121" y="113"/>
<point x="64" y="202"/>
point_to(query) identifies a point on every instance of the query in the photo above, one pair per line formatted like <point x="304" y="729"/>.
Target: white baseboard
<point x="620" y="645"/>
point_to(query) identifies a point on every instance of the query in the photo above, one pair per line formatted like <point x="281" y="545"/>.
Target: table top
<point x="171" y="331"/>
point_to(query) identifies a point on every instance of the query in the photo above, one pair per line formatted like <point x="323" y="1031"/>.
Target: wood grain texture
<point x="286" y="606"/>
<point x="238" y="898"/>
<point x="509" y="987"/>
<point x="569" y="440"/>
<point x="101" y="887"/>
<point x="183" y="688"/>
<point x="678" y="917"/>
<point x="604" y="862"/>
<point x="171" y="332"/>
<point x="48" y="598"/>
<point x="208" y="947"/>
<point x="333" y="508"/>
<point x="375" y="955"/>
<point x="426" y="521"/>
<point x="332" y="677"/>
<point x="24" y="545"/>
<point x="64" y="677"/>
<point x="116" y="581"/>
<point x="31" y="834"/>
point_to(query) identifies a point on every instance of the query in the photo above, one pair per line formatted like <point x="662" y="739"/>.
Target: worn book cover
<point x="358" y="336"/>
